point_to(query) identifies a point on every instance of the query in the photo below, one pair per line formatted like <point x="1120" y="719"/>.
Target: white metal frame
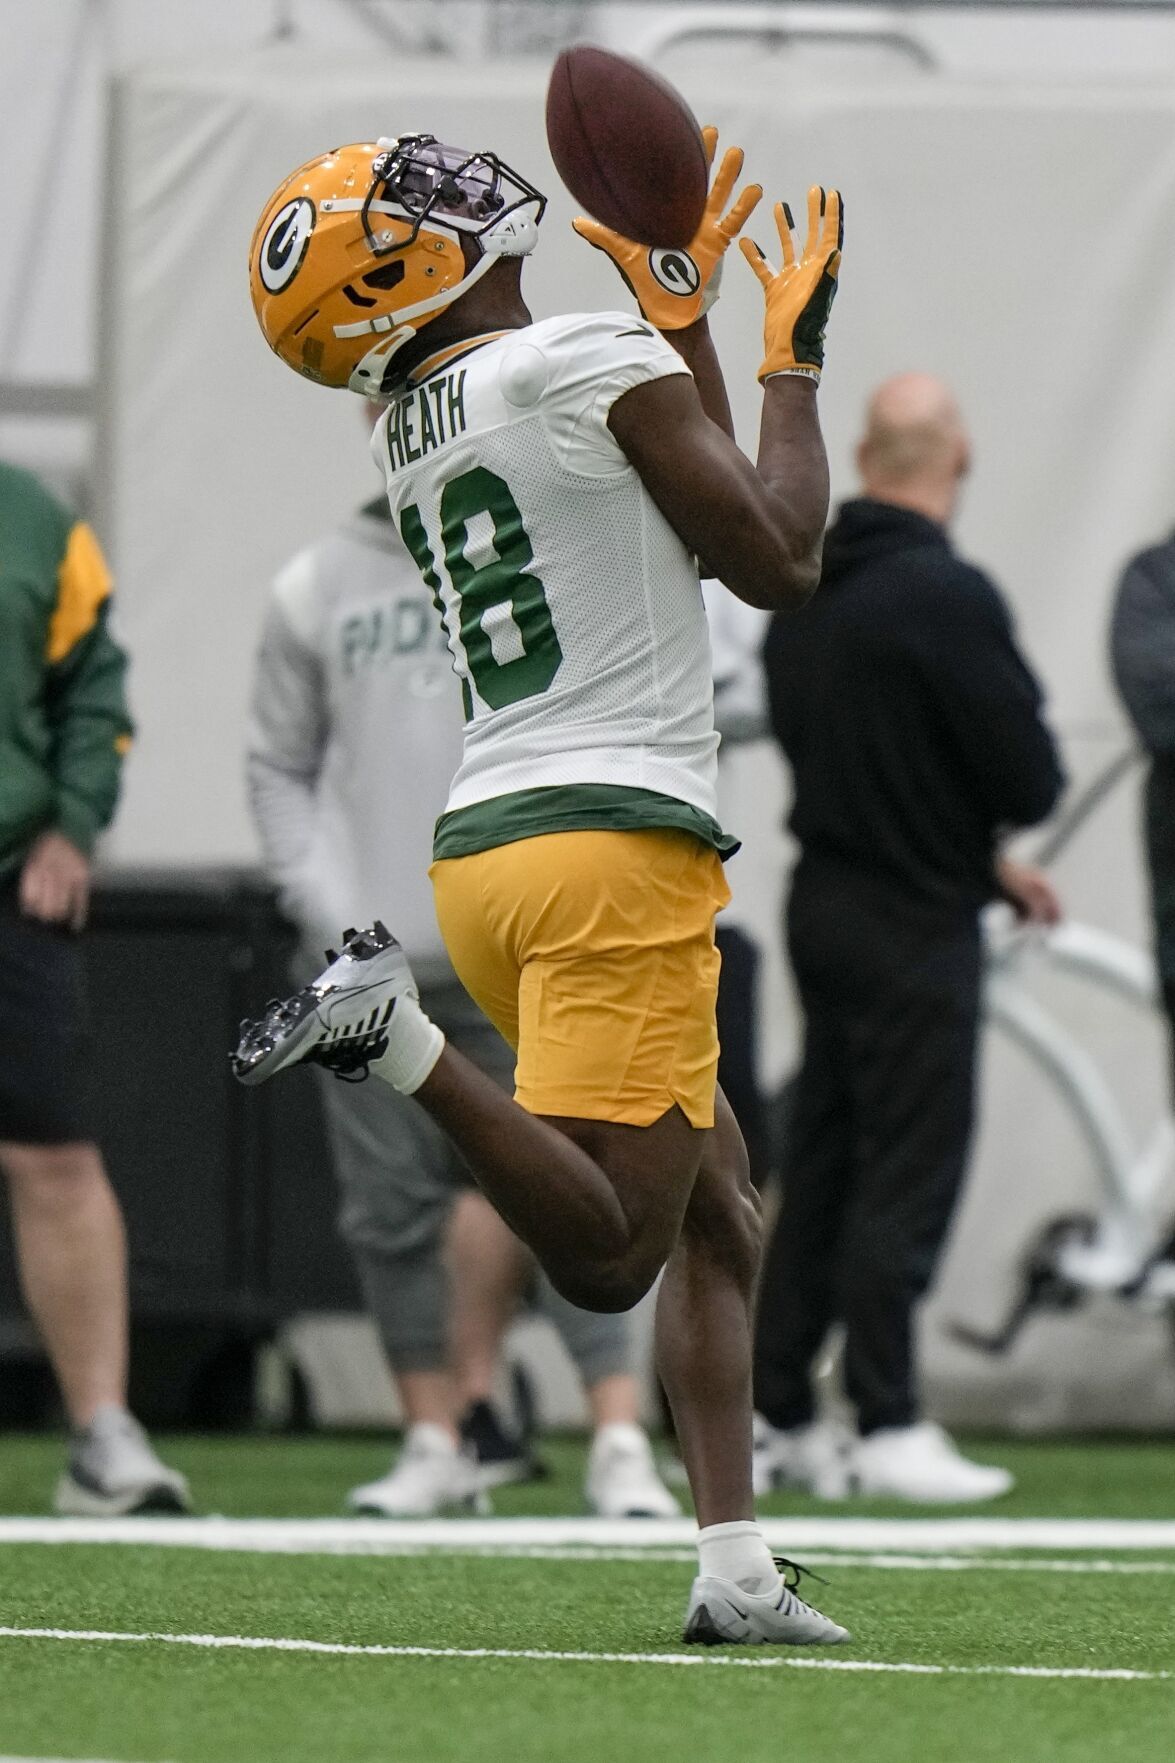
<point x="1135" y="1180"/>
<point x="785" y="24"/>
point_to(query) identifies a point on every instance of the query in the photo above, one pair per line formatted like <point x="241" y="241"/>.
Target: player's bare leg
<point x="661" y="1195"/>
<point x="666" y="1195"/>
<point x="600" y="1204"/>
<point x="703" y="1312"/>
<point x="704" y="1326"/>
<point x="603" y="1205"/>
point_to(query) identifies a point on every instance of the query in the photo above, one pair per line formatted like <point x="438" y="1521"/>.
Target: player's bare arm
<point x="759" y="530"/>
<point x="676" y="289"/>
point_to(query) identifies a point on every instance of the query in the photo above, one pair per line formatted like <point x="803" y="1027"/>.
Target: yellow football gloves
<point x="675" y="288"/>
<point x="800" y="295"/>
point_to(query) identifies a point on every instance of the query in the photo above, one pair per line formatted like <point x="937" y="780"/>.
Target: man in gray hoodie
<point x="900" y="810"/>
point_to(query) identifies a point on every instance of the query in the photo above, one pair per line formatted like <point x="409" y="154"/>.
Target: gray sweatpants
<point x="399" y="1175"/>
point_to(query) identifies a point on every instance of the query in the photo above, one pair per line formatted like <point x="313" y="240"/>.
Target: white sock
<point x="426" y="1435"/>
<point x="415" y="1043"/>
<point x="107" y="1417"/>
<point x="624" y="1435"/>
<point x="737" y="1552"/>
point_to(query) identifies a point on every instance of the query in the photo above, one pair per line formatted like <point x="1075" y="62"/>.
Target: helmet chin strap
<point x="367" y="375"/>
<point x="515" y="236"/>
<point x="403" y="315"/>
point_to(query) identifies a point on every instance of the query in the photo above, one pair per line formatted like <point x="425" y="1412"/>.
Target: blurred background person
<point x="914" y="733"/>
<point x="355" y="735"/>
<point x="64" y="727"/>
<point x="1142" y="649"/>
<point x="740" y="715"/>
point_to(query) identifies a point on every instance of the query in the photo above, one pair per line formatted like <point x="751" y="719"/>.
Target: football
<point x="627" y="146"/>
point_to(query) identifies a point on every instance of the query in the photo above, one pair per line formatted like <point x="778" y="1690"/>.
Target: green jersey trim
<point x="525" y="814"/>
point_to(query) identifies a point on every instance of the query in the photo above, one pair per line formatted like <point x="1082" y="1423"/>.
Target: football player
<point x="555" y="483"/>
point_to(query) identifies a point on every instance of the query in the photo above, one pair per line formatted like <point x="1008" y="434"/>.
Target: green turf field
<point x="936" y="1668"/>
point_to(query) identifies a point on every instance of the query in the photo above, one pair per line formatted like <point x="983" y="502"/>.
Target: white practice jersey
<point x="572" y="611"/>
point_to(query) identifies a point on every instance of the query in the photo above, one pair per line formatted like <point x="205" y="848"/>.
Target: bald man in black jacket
<point x="914" y="733"/>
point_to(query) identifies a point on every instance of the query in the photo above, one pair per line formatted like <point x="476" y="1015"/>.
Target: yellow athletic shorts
<point x="593" y="953"/>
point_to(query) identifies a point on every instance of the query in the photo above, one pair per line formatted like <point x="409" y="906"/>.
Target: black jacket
<point x="1142" y="646"/>
<point x="911" y="721"/>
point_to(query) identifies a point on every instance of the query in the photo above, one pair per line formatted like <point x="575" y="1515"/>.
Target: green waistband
<point x="525" y="814"/>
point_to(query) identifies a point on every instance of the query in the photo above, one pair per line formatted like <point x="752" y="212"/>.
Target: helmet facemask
<point x="423" y="186"/>
<point x="418" y="178"/>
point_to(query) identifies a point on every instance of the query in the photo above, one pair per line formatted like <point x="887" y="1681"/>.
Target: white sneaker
<point x="922" y="1463"/>
<point x="340" y="1020"/>
<point x="112" y="1470"/>
<point x="814" y="1457"/>
<point x="430" y="1474"/>
<point x="720" y="1613"/>
<point x="622" y="1479"/>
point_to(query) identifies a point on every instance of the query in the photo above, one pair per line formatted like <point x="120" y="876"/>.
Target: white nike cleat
<point x="430" y="1475"/>
<point x="112" y="1470"/>
<point x="340" y="1020"/>
<point x="622" y="1479"/>
<point x="814" y="1457"/>
<point x="721" y="1613"/>
<point x="923" y="1464"/>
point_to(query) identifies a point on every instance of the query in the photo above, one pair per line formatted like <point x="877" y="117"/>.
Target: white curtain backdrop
<point x="1014" y="239"/>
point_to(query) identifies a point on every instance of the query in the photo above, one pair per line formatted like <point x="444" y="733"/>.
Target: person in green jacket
<point x="64" y="729"/>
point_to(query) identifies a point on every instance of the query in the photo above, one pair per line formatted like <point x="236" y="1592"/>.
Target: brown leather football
<point x="627" y="146"/>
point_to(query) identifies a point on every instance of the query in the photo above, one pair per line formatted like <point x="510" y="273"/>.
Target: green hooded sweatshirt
<point x="64" y="725"/>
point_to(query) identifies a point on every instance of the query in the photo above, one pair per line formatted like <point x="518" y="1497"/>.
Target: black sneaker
<point x="502" y="1457"/>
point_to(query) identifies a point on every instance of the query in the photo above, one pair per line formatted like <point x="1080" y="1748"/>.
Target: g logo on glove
<point x="675" y="287"/>
<point x="676" y="272"/>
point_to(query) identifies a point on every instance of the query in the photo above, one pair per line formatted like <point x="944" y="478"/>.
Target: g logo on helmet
<point x="284" y="245"/>
<point x="676" y="271"/>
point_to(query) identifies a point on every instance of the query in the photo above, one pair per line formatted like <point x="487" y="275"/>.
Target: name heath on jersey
<point x="425" y="419"/>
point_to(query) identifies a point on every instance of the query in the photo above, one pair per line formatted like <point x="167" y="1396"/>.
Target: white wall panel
<point x="1015" y="239"/>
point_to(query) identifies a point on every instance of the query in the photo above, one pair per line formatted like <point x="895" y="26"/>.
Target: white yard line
<point x="1082" y="1564"/>
<point x="395" y="1548"/>
<point x="633" y="1538"/>
<point x="707" y="1658"/>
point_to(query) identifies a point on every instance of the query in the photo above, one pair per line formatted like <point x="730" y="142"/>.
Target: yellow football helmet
<point x="359" y="249"/>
